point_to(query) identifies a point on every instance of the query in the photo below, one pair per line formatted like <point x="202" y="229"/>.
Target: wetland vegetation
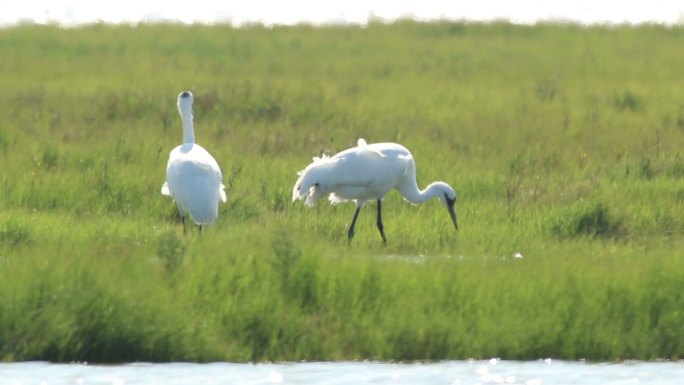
<point x="564" y="144"/>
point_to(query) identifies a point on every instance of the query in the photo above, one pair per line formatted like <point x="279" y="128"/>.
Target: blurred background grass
<point x="564" y="144"/>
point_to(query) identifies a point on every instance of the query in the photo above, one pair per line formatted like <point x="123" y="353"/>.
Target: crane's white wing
<point x="194" y="180"/>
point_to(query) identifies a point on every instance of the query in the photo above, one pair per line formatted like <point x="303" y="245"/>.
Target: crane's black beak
<point x="452" y="211"/>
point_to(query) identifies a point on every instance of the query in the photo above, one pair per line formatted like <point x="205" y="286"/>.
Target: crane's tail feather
<point x="307" y="190"/>
<point x="309" y="184"/>
<point x="222" y="193"/>
<point x="335" y="199"/>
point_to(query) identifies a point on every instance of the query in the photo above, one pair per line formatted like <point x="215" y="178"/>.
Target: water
<point x="494" y="371"/>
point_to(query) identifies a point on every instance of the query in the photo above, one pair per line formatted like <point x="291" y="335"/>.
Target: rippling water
<point x="493" y="371"/>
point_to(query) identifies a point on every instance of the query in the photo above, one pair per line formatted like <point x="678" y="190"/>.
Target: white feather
<point x="193" y="177"/>
<point x="367" y="172"/>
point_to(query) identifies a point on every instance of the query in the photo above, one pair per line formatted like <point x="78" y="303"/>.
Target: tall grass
<point x="564" y="144"/>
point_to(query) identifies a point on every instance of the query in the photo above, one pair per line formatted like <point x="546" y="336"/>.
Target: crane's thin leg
<point x="182" y="218"/>
<point x="351" y="228"/>
<point x="380" y="226"/>
<point x="200" y="226"/>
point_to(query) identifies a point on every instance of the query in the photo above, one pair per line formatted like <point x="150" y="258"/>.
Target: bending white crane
<point x="193" y="178"/>
<point x="368" y="172"/>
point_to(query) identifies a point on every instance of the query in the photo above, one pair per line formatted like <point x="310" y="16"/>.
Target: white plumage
<point x="368" y="172"/>
<point x="193" y="178"/>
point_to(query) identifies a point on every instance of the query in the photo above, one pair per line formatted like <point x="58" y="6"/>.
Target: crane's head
<point x="185" y="103"/>
<point x="447" y="195"/>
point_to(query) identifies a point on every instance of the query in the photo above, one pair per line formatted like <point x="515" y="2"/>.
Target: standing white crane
<point x="368" y="172"/>
<point x="193" y="178"/>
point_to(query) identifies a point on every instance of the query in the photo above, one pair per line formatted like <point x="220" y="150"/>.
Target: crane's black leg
<point x="182" y="217"/>
<point x="350" y="235"/>
<point x="200" y="226"/>
<point x="380" y="226"/>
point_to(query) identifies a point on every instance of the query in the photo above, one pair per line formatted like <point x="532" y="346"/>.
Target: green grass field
<point x="565" y="144"/>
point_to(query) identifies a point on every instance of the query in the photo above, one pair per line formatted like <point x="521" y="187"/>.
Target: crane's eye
<point x="185" y="94"/>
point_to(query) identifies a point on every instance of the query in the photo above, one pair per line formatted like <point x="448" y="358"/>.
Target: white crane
<point x="193" y="178"/>
<point x="368" y="172"/>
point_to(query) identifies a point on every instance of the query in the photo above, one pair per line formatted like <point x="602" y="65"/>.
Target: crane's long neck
<point x="409" y="187"/>
<point x="414" y="195"/>
<point x="188" y="129"/>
